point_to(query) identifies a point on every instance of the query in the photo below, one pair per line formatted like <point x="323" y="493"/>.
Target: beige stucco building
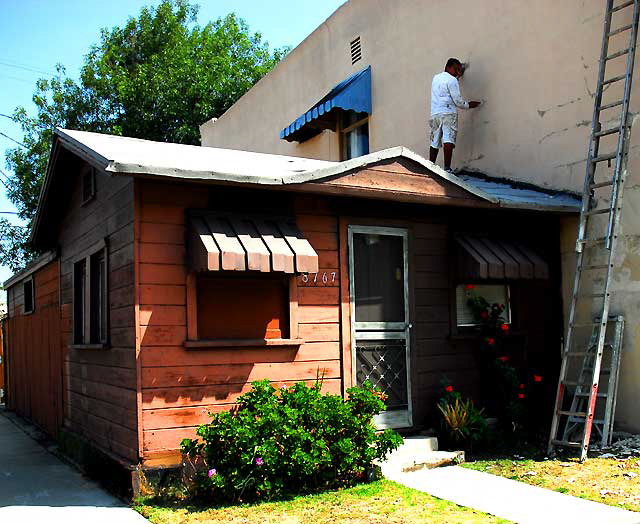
<point x="534" y="64"/>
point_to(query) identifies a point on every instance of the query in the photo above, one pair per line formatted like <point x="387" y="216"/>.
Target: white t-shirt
<point x="445" y="95"/>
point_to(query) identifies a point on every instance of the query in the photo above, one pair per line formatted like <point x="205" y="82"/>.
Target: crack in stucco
<point x="549" y="135"/>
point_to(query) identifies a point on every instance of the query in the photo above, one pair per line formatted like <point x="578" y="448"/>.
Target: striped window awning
<point x="239" y="243"/>
<point x="483" y="258"/>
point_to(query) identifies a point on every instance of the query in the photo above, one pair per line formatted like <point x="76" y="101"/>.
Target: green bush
<point x="288" y="440"/>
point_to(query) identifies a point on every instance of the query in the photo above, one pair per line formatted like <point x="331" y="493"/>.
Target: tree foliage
<point x="157" y="77"/>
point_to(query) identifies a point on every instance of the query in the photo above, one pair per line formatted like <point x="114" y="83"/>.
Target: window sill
<point x="242" y="342"/>
<point x="89" y="346"/>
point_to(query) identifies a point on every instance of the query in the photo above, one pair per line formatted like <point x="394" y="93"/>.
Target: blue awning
<point x="353" y="93"/>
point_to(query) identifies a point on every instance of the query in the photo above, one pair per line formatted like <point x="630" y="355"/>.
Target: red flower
<point x="521" y="386"/>
<point x="484" y="315"/>
<point x="537" y="378"/>
<point x="504" y="358"/>
<point x="469" y="286"/>
<point x="520" y="395"/>
<point x="449" y="389"/>
<point x="491" y="341"/>
<point x="504" y="327"/>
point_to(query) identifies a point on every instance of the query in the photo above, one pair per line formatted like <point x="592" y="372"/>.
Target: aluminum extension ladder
<point x="597" y="238"/>
<point x="606" y="398"/>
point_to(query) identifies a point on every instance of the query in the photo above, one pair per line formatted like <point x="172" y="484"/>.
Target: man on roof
<point x="445" y="101"/>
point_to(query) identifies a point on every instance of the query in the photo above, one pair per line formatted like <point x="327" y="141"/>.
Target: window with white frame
<point x="492" y="293"/>
<point x="90" y="299"/>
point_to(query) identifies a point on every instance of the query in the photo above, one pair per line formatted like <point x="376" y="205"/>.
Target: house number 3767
<point x="323" y="278"/>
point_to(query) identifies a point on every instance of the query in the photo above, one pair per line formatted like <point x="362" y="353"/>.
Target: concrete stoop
<point x="418" y="453"/>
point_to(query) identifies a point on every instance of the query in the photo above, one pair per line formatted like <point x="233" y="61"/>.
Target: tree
<point x="158" y="77"/>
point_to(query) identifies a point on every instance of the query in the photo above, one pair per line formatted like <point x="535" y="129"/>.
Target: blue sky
<point x="35" y="35"/>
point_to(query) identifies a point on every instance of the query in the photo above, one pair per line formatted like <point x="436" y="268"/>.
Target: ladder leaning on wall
<point x="598" y="229"/>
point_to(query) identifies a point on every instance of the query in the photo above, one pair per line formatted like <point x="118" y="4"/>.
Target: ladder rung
<point x="612" y="104"/>
<point x="599" y="395"/>
<point x="597" y="212"/>
<point x="601" y="184"/>
<point x="602" y="370"/>
<point x="591" y="295"/>
<point x="592" y="240"/>
<point x="614" y="79"/>
<point x="606" y="132"/>
<point x="566" y="443"/>
<point x="602" y="158"/>
<point x="594" y="266"/>
<point x="617" y="54"/>
<point x="622" y="6"/>
<point x="620" y="30"/>
<point x="585" y="324"/>
<point x="580" y="414"/>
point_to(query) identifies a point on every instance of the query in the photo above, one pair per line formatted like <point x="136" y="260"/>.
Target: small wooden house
<point x="175" y="275"/>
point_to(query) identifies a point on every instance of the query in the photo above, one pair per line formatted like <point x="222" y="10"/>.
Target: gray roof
<point x="511" y="196"/>
<point x="132" y="156"/>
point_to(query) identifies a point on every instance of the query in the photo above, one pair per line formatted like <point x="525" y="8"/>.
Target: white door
<point x="380" y="317"/>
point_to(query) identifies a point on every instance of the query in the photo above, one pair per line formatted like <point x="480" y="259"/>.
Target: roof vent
<point x="356" y="50"/>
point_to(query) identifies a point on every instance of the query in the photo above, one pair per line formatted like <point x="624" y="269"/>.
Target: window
<point x="90" y="299"/>
<point x="242" y="306"/>
<point x="354" y="134"/>
<point x="88" y="184"/>
<point x="492" y="293"/>
<point x="27" y="287"/>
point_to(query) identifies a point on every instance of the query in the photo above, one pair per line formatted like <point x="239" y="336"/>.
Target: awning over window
<point x="354" y="94"/>
<point x="238" y="243"/>
<point x="483" y="258"/>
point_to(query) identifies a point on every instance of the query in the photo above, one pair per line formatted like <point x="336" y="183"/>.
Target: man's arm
<point x="458" y="99"/>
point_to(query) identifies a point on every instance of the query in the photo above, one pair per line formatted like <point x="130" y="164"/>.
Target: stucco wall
<point x="535" y="65"/>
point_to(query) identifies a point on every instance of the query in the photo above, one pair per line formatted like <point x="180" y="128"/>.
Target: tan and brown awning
<point x="239" y="243"/>
<point x="484" y="258"/>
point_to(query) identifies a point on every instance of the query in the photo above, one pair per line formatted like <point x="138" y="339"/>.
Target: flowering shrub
<point x="288" y="440"/>
<point x="463" y="422"/>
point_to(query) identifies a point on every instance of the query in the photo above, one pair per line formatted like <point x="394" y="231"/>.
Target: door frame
<point x="403" y="419"/>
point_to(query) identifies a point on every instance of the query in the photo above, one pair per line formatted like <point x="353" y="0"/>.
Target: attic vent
<point x="88" y="184"/>
<point x="356" y="50"/>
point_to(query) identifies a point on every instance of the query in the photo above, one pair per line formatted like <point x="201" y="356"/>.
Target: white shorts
<point x="444" y="128"/>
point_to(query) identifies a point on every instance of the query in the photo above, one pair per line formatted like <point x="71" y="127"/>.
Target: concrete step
<point x="419" y="453"/>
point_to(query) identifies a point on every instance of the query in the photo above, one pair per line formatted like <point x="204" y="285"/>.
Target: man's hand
<point x="473" y="104"/>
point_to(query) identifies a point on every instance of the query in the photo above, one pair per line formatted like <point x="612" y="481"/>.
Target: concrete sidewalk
<point x="37" y="487"/>
<point x="509" y="499"/>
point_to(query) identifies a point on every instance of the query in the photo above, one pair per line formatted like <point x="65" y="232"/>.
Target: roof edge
<point x="31" y="268"/>
<point x="386" y="154"/>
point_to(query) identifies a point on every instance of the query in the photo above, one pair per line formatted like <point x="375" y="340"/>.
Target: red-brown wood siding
<point x="180" y="386"/>
<point x="100" y="384"/>
<point x="34" y="352"/>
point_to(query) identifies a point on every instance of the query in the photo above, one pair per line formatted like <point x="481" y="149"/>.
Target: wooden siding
<point x="180" y="386"/>
<point x="100" y="384"/>
<point x="34" y="352"/>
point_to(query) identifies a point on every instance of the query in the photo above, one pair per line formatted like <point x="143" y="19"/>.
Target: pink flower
<point x="520" y="395"/>
<point x="469" y="286"/>
<point x="484" y="315"/>
<point x="537" y="378"/>
<point x="491" y="341"/>
<point x="504" y="358"/>
<point x="504" y="327"/>
<point x="449" y="389"/>
<point x="211" y="472"/>
<point x="259" y="461"/>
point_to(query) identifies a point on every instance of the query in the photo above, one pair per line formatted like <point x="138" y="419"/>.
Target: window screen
<point x="79" y="279"/>
<point x="493" y="293"/>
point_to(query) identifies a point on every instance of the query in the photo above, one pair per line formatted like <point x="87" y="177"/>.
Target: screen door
<point x="380" y="317"/>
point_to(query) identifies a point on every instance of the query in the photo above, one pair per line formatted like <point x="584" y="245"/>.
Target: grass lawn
<point x="608" y="480"/>
<point x="382" y="501"/>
